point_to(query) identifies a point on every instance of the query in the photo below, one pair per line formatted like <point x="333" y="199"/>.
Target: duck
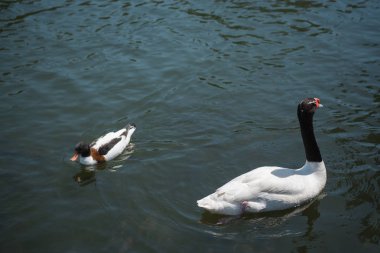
<point x="104" y="148"/>
<point x="272" y="188"/>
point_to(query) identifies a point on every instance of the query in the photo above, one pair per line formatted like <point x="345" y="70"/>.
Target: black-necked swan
<point x="104" y="148"/>
<point x="272" y="188"/>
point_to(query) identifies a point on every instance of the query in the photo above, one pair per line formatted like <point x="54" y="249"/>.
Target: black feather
<point x="103" y="150"/>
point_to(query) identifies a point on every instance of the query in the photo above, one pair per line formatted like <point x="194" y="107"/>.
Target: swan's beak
<point x="75" y="157"/>
<point x="318" y="102"/>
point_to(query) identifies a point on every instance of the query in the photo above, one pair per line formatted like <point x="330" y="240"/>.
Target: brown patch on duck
<point x="96" y="156"/>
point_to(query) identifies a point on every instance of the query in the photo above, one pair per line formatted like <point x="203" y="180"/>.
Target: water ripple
<point x="213" y="87"/>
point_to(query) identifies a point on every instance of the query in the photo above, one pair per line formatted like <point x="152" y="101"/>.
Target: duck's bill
<point x="74" y="158"/>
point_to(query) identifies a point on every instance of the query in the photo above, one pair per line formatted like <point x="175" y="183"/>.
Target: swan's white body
<point x="114" y="151"/>
<point x="267" y="189"/>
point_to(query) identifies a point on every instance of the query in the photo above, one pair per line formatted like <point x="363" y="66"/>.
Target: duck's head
<point x="309" y="106"/>
<point x="81" y="149"/>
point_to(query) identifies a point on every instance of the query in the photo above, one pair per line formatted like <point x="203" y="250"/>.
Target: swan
<point x="272" y="188"/>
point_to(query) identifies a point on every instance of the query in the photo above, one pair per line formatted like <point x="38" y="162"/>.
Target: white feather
<point x="120" y="146"/>
<point x="267" y="189"/>
<point x="87" y="160"/>
<point x="107" y="138"/>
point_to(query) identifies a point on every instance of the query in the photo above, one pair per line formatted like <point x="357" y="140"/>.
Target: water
<point x="212" y="87"/>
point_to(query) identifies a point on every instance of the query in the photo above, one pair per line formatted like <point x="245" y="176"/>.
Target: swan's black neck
<point x="311" y="147"/>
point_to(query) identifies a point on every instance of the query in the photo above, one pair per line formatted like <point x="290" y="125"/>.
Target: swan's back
<point x="267" y="189"/>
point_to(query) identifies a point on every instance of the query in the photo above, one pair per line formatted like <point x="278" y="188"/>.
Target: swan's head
<point x="309" y="105"/>
<point x="82" y="149"/>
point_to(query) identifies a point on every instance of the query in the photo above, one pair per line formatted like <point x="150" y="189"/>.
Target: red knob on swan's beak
<point x="318" y="102"/>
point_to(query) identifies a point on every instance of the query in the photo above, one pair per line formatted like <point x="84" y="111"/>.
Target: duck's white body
<point x="267" y="189"/>
<point x="112" y="153"/>
<point x="106" y="147"/>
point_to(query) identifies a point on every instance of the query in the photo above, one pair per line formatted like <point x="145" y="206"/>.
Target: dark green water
<point x="213" y="88"/>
